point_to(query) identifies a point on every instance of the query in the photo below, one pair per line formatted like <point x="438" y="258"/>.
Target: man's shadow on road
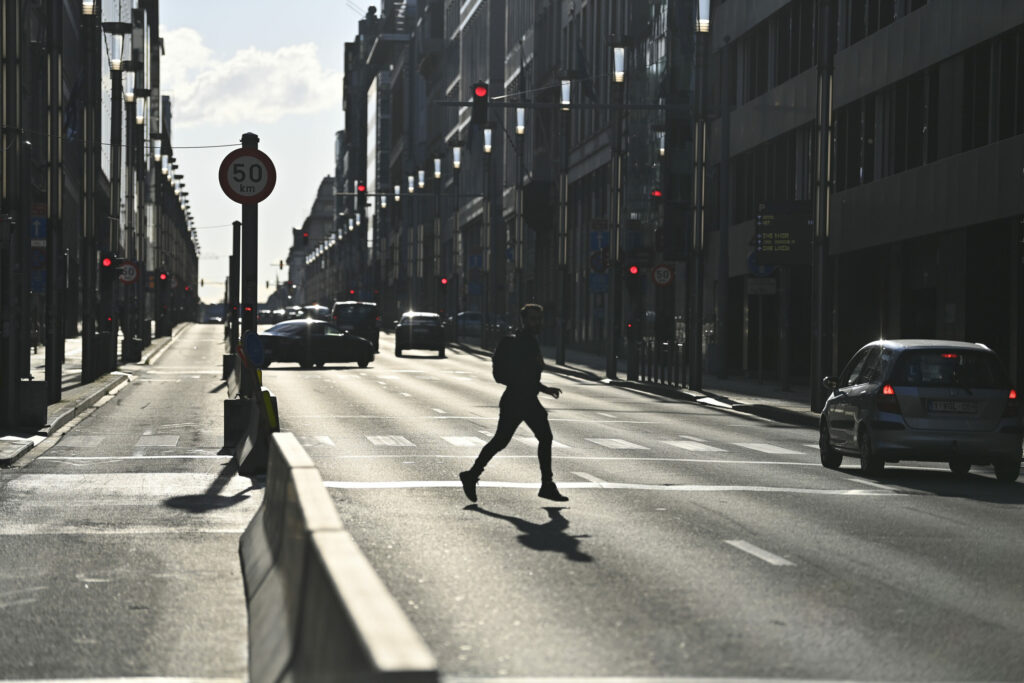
<point x="548" y="536"/>
<point x="212" y="498"/>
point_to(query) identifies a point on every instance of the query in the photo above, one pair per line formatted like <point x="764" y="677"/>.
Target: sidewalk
<point x="75" y="398"/>
<point x="746" y="396"/>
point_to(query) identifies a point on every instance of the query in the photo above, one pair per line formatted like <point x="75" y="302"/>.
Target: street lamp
<point x="619" y="63"/>
<point x="566" y="94"/>
<point x="695" y="269"/>
<point x="486" y="307"/>
<point x="613" y="312"/>
<point x="412" y="185"/>
<point x="457" y="232"/>
<point x="421" y="178"/>
<point x="520" y="121"/>
<point x="437" y="168"/>
<point x="488" y="134"/>
<point x="563" y="224"/>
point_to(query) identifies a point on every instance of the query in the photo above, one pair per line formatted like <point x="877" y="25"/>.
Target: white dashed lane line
<point x="760" y="553"/>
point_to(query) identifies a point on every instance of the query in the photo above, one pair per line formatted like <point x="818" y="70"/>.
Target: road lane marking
<point x="591" y="478"/>
<point x="619" y="444"/>
<point x="760" y="553"/>
<point x="439" y="411"/>
<point x="467" y="441"/>
<point x="134" y="457"/>
<point x="689" y="488"/>
<point x="692" y="438"/>
<point x="607" y="415"/>
<point x="79" y="442"/>
<point x="872" y="483"/>
<point x="695" y="446"/>
<point x="170" y="440"/>
<point x="390" y="440"/>
<point x="532" y="441"/>
<point x="705" y="461"/>
<point x="769" y="448"/>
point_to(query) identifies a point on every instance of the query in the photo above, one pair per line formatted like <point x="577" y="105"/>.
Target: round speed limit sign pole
<point x="247" y="176"/>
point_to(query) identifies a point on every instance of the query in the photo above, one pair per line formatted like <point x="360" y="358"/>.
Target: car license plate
<point x="952" y="406"/>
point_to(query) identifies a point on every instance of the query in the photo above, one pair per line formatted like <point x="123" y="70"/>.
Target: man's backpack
<point x="502" y="361"/>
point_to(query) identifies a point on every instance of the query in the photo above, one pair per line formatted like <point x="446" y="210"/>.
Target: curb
<point x="67" y="413"/>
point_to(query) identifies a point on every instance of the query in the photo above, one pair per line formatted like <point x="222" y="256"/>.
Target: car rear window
<point x="355" y="312"/>
<point x="949" y="368"/>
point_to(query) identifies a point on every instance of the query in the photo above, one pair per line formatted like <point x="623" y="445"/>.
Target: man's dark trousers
<point x="516" y="407"/>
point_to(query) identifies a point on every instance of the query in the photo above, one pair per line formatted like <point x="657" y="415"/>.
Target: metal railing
<point x="659" y="362"/>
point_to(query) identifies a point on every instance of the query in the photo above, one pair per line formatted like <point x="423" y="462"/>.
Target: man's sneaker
<point x="550" y="491"/>
<point x="469" y="484"/>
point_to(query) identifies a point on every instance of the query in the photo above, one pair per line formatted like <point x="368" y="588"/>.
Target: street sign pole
<point x="250" y="242"/>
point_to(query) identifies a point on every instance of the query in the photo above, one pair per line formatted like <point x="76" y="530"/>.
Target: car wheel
<point x="960" y="466"/>
<point x="364" y="362"/>
<point x="871" y="463"/>
<point x="440" y="352"/>
<point x="398" y="351"/>
<point x="305" y="364"/>
<point x="1007" y="470"/>
<point x="830" y="457"/>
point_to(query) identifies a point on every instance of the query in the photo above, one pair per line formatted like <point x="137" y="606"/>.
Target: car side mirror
<point x="830" y="383"/>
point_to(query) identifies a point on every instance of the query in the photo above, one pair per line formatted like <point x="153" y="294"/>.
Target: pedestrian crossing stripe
<point x="619" y="444"/>
<point x="769" y="448"/>
<point x="695" y="446"/>
<point x="467" y="441"/>
<point x="390" y="440"/>
<point x="532" y="441"/>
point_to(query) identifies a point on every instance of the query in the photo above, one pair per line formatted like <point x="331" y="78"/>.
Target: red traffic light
<point x="163" y="276"/>
<point x="107" y="262"/>
<point x="480" y="90"/>
<point x="361" y="187"/>
<point x="351" y="292"/>
<point x="633" y="270"/>
<point x="444" y="281"/>
<point x="656" y="194"/>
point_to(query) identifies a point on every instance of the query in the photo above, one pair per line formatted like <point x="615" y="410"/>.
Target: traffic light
<point x="280" y="264"/>
<point x="162" y="277"/>
<point x="361" y="195"/>
<point x="657" y="195"/>
<point x="444" y="281"/>
<point x="305" y="238"/>
<point x="479" y="113"/>
<point x="633" y="280"/>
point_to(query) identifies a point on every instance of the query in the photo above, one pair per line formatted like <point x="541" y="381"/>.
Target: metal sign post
<point x="247" y="176"/>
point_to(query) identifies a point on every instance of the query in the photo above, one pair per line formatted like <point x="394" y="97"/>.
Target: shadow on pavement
<point x="548" y="536"/>
<point x="211" y="498"/>
<point x="948" y="485"/>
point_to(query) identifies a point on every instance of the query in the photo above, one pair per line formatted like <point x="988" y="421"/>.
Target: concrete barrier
<point x="317" y="609"/>
<point x="248" y="424"/>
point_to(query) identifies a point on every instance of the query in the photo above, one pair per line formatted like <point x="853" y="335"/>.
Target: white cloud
<point x="253" y="85"/>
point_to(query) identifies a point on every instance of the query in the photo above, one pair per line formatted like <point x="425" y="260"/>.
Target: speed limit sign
<point x="129" y="272"/>
<point x="247" y="176"/>
<point x="662" y="274"/>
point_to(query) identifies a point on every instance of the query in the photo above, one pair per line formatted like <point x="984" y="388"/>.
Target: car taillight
<point x="1012" y="406"/>
<point x="887" y="401"/>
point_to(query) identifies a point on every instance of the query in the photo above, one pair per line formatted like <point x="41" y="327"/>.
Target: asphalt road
<point x="119" y="534"/>
<point x="696" y="542"/>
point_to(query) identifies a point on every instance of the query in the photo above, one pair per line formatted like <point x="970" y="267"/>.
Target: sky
<point x="270" y="68"/>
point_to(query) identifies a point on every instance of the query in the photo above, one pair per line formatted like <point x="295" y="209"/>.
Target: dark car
<point x="361" y="318"/>
<point x="419" y="330"/>
<point x="310" y="342"/>
<point x="923" y="399"/>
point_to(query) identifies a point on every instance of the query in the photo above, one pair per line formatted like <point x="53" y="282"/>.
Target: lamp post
<point x="485" y="303"/>
<point x="695" y="271"/>
<point x="565" y="101"/>
<point x="437" y="232"/>
<point x="519" y="231"/>
<point x="613" y="309"/>
<point x="457" y="235"/>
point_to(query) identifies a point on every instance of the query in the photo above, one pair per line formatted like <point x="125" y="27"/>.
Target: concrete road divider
<point x="317" y="609"/>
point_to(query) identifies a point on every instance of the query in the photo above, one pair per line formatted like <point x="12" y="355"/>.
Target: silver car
<point x="923" y="399"/>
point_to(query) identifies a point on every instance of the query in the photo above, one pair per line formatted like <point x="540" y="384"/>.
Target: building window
<point x="977" y="70"/>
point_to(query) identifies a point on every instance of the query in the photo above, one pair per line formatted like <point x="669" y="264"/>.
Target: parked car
<point x="923" y="399"/>
<point x="467" y="324"/>
<point x="420" y="330"/>
<point x="361" y="318"/>
<point x="310" y="342"/>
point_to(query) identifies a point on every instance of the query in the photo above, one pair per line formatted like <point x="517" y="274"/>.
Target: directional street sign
<point x="247" y="176"/>
<point x="37" y="231"/>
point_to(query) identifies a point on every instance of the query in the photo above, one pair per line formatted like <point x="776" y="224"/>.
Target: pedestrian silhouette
<point x="548" y="536"/>
<point x="518" y="363"/>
